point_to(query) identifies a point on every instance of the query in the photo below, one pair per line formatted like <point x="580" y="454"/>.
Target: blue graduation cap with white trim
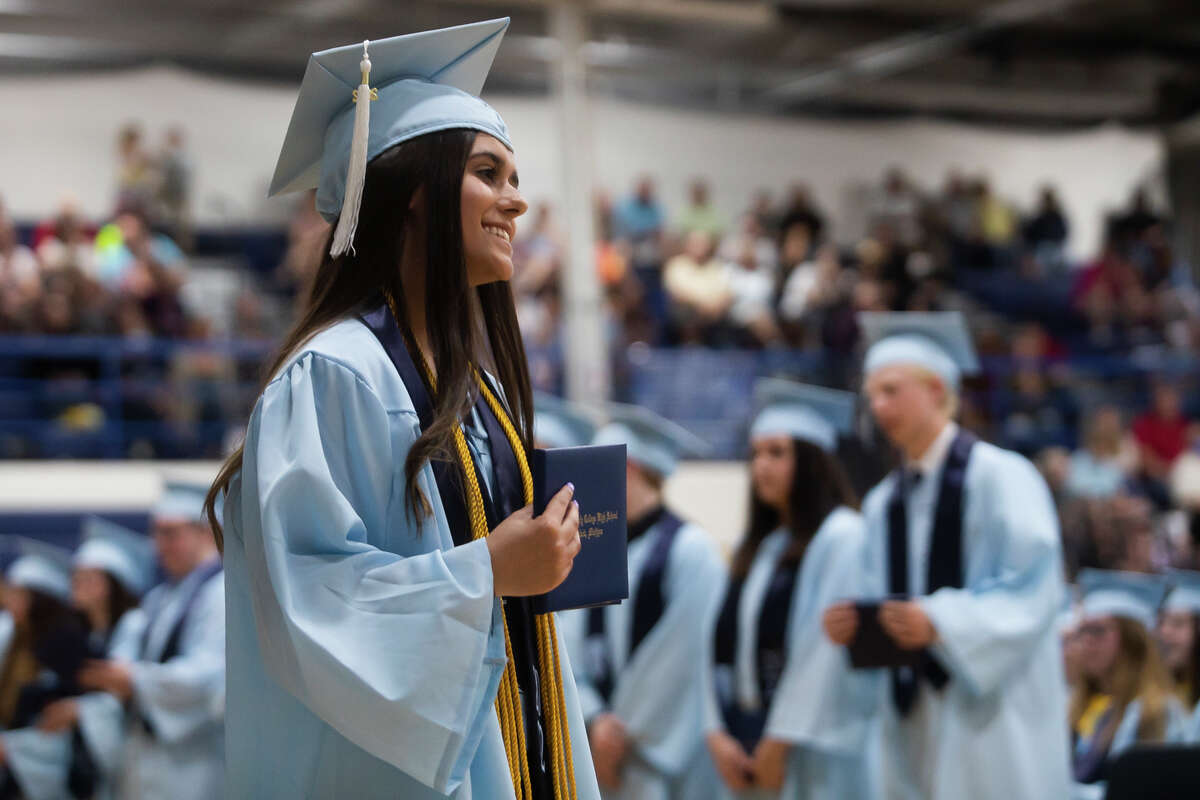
<point x="1185" y="591"/>
<point x="359" y="100"/>
<point x="802" y="411"/>
<point x="939" y="341"/>
<point x="181" y="501"/>
<point x="41" y="566"/>
<point x="1134" y="595"/>
<point x="560" y="423"/>
<point x="126" y="555"/>
<point x="651" y="441"/>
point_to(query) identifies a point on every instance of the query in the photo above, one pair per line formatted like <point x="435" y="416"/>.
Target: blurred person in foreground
<point x="963" y="541"/>
<point x="1124" y="697"/>
<point x="174" y="686"/>
<point x="74" y="749"/>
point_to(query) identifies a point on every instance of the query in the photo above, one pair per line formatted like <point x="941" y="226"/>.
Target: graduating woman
<point x="1179" y="636"/>
<point x="783" y="715"/>
<point x="1124" y="697"/>
<point x="75" y="746"/>
<point x="380" y="549"/>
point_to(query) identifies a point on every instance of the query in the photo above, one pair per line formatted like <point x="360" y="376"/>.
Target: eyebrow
<point x="499" y="163"/>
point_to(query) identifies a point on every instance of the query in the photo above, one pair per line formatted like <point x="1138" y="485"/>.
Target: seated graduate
<point x="779" y="712"/>
<point x="639" y="663"/>
<point x="1124" y="697"/>
<point x="378" y="533"/>
<point x="174" y="683"/>
<point x="1179" y="637"/>
<point x="49" y="640"/>
<point x="964" y="538"/>
<point x="75" y="748"/>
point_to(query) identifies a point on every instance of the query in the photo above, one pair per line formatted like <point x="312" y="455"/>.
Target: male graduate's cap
<point x="1134" y="595"/>
<point x="126" y="555"/>
<point x="652" y="442"/>
<point x="802" y="411"/>
<point x="181" y="501"/>
<point x="1185" y="591"/>
<point x="359" y="100"/>
<point x="936" y="340"/>
<point x="41" y="566"/>
<point x="560" y="423"/>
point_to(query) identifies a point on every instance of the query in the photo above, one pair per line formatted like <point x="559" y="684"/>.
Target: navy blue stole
<point x="171" y="648"/>
<point x="770" y="649"/>
<point x="507" y="495"/>
<point x="1091" y="766"/>
<point x="649" y="602"/>
<point x="945" y="568"/>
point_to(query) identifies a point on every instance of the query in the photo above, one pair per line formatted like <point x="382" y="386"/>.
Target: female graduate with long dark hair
<point x="379" y="544"/>
<point x="783" y="716"/>
<point x="1179" y="637"/>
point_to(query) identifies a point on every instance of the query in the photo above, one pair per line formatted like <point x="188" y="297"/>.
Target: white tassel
<point x="343" y="235"/>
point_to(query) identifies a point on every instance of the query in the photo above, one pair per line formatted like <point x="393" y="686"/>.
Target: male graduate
<point x="965" y="538"/>
<point x="176" y="688"/>
<point x="639" y="664"/>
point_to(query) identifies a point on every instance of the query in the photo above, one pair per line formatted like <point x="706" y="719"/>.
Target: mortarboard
<point x="416" y="84"/>
<point x="181" y="500"/>
<point x="559" y="423"/>
<point x="938" y="341"/>
<point x="1134" y="595"/>
<point x="1185" y="591"/>
<point x="126" y="555"/>
<point x="811" y="413"/>
<point x="41" y="566"/>
<point x="652" y="441"/>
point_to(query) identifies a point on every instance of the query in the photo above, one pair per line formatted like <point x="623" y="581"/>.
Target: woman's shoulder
<point x="349" y="348"/>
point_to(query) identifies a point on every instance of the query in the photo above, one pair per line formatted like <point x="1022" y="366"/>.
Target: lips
<point x="499" y="232"/>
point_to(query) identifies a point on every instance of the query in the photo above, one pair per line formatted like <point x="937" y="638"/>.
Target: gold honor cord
<point x="508" y="698"/>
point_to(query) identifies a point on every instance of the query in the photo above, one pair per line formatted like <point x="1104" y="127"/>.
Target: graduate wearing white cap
<point x="379" y="548"/>
<point x="781" y="707"/>
<point x="40" y="757"/>
<point x="970" y="533"/>
<point x="1124" y="698"/>
<point x="639" y="664"/>
<point x="1179" y="634"/>
<point x="560" y="423"/>
<point x="174" y="681"/>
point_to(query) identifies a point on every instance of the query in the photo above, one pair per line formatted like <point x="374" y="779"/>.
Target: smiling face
<point x="491" y="203"/>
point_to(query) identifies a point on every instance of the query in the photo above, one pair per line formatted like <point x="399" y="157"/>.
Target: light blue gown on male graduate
<point x="656" y="688"/>
<point x="365" y="649"/>
<point x="997" y="730"/>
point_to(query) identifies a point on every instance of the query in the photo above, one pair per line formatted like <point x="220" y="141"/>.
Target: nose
<point x="513" y="202"/>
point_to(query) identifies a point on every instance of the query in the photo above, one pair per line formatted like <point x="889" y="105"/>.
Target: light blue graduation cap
<point x="559" y="423"/>
<point x="126" y="555"/>
<point x="359" y="100"/>
<point x="1134" y="595"/>
<point x="183" y="501"/>
<point x="652" y="441"/>
<point x="938" y="341"/>
<point x="1185" y="591"/>
<point x="802" y="411"/>
<point x="41" y="566"/>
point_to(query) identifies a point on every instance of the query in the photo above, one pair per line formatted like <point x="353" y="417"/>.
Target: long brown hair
<point x="819" y="485"/>
<point x="1137" y="674"/>
<point x="465" y="332"/>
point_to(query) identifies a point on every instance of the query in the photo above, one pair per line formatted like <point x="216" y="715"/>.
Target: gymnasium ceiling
<point x="1035" y="63"/>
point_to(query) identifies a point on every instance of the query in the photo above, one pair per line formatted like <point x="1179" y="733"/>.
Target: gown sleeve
<point x="573" y="632"/>
<point x="187" y="692"/>
<point x="400" y="654"/>
<point x="990" y="630"/>
<point x="101" y="715"/>
<point x="660" y="696"/>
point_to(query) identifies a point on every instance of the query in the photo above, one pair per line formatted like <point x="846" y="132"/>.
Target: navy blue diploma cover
<point x="600" y="575"/>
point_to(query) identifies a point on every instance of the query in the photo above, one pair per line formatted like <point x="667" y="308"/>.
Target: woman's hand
<point x="532" y="555"/>
<point x="770" y="764"/>
<point x="58" y="716"/>
<point x="732" y="763"/>
<point x="841" y="623"/>
<point x="610" y="745"/>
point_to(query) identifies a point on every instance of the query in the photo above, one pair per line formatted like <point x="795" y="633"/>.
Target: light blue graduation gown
<point x="1125" y="737"/>
<point x="995" y="730"/>
<point x="365" y="649"/>
<point x="820" y="706"/>
<point x="657" y="692"/>
<point x="40" y="761"/>
<point x="1191" y="734"/>
<point x="182" y="699"/>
